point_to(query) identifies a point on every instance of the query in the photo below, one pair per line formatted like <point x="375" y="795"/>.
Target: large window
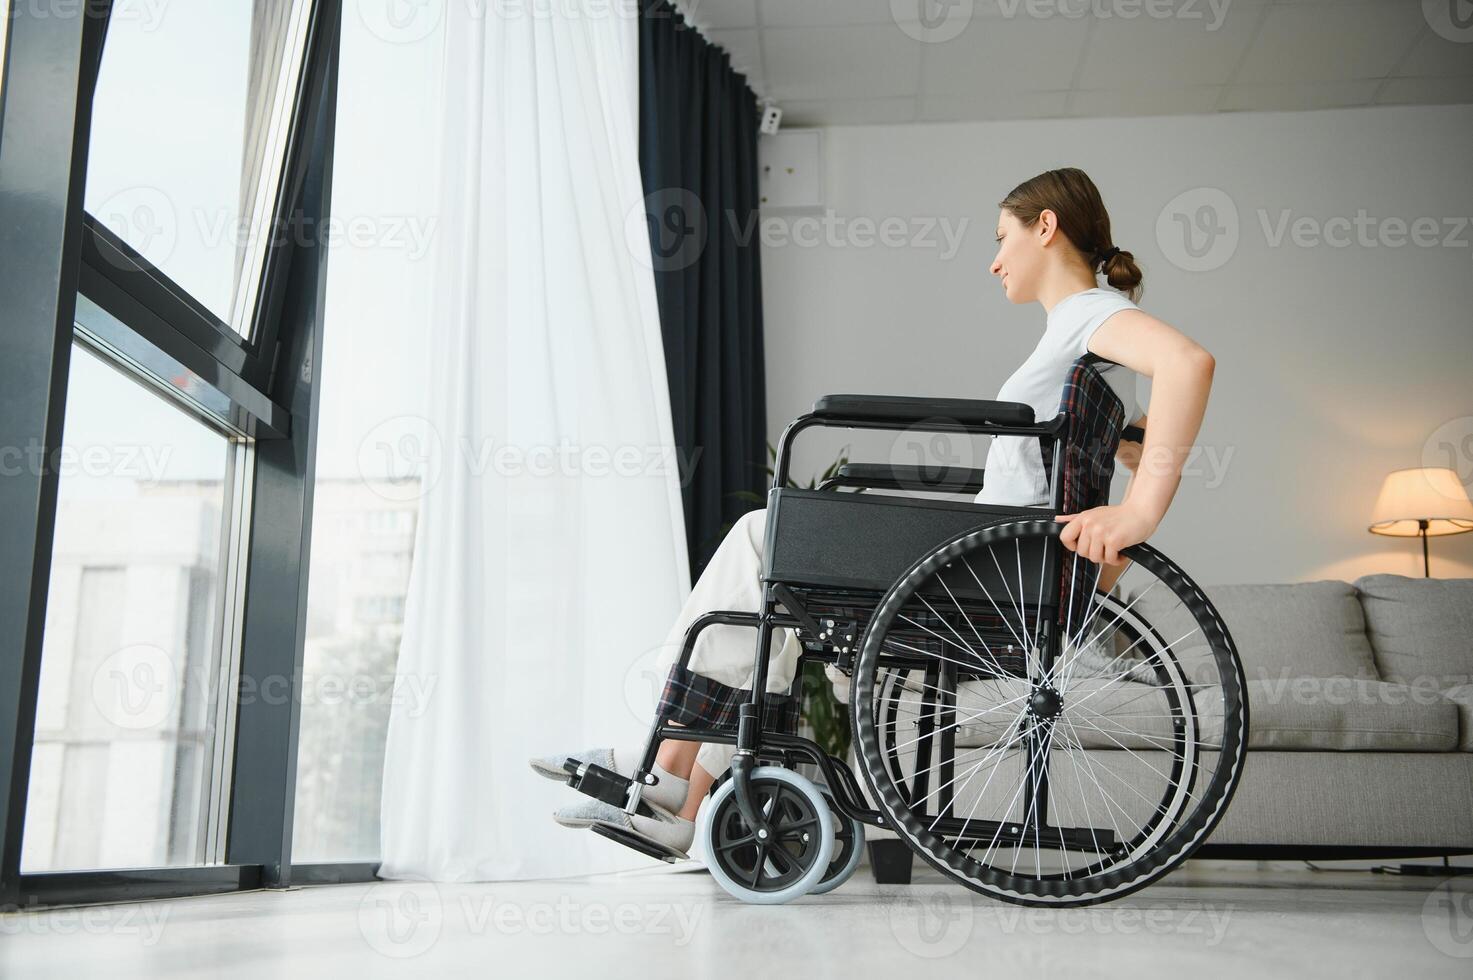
<point x="188" y="134"/>
<point x="132" y="748"/>
<point x="159" y="352"/>
<point x="372" y="446"/>
<point x="127" y="718"/>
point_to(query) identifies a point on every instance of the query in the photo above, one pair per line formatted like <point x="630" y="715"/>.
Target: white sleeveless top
<point x="1013" y="473"/>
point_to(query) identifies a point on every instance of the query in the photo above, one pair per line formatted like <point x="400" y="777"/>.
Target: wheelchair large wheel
<point x="779" y="870"/>
<point x="1048" y="754"/>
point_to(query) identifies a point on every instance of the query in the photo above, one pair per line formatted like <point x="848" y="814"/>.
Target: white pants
<point x="732" y="580"/>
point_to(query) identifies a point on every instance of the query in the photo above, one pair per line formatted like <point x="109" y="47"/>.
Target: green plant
<point x="820" y="710"/>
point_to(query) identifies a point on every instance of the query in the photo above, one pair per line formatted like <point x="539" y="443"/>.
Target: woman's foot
<point x="669" y="792"/>
<point x="663" y="828"/>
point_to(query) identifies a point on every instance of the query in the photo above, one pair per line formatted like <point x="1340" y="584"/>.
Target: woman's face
<point x="1020" y="256"/>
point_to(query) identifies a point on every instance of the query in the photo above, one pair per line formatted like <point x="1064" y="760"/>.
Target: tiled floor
<point x="1206" y="921"/>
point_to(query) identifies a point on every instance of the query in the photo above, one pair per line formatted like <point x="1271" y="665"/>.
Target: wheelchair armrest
<point x="955" y="479"/>
<point x="904" y="408"/>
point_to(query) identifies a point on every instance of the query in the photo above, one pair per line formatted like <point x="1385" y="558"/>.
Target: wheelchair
<point x="1030" y="732"/>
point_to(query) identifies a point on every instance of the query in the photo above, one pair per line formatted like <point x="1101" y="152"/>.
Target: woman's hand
<point x="1100" y="533"/>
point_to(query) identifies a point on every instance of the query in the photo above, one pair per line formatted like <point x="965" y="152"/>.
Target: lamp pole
<point x="1426" y="563"/>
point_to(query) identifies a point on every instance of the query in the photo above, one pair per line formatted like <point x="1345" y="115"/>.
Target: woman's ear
<point x="1046" y="225"/>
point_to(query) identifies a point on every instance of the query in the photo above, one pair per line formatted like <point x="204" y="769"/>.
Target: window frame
<point x="115" y="274"/>
<point x="260" y="385"/>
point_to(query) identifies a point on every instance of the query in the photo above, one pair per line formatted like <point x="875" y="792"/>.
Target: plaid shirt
<point x="1094" y="421"/>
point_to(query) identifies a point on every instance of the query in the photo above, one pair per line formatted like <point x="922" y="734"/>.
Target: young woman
<point x="1053" y="237"/>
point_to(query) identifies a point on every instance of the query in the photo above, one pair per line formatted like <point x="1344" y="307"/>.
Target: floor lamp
<point x="1422" y="502"/>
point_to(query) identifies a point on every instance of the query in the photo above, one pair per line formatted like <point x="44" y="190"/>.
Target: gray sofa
<point x="1360" y="703"/>
<point x="1360" y="700"/>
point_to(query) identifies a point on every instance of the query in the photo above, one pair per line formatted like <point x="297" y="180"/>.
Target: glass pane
<point x="188" y="130"/>
<point x="362" y="541"/>
<point x="370" y="446"/>
<point x="4" y="34"/>
<point x="125" y="726"/>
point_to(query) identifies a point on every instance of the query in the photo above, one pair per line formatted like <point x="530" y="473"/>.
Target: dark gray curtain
<point x="698" y="124"/>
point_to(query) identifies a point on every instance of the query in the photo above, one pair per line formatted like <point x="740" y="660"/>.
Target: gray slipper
<point x="664" y="828"/>
<point x="587" y="812"/>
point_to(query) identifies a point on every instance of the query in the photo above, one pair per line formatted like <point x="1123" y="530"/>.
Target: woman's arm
<point x="1181" y="372"/>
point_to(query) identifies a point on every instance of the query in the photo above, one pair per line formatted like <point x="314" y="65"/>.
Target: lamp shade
<point x="1430" y="494"/>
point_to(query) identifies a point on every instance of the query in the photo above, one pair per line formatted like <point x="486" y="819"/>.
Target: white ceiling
<point x="838" y="62"/>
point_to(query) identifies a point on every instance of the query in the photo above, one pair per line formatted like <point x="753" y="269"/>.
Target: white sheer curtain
<point x="543" y="577"/>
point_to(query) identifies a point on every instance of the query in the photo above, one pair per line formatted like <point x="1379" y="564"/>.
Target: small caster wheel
<point x="778" y="870"/>
<point x="848" y="850"/>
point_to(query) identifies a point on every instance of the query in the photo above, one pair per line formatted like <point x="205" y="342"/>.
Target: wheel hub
<point x="1045" y="704"/>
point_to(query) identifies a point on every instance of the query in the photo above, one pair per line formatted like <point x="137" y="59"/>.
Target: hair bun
<point x="1121" y="271"/>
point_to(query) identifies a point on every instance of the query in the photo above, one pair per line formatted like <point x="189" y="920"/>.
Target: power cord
<point x="1410" y="870"/>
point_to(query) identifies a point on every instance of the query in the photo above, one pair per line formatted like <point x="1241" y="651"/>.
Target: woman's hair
<point x="1074" y="198"/>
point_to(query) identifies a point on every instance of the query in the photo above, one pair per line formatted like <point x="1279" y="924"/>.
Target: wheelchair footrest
<point x="637" y="842"/>
<point x="605" y="785"/>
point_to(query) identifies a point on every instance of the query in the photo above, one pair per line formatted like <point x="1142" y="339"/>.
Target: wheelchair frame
<point x="752" y="742"/>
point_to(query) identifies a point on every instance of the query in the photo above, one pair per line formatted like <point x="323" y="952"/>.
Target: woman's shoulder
<point x="1086" y="303"/>
<point x="1077" y="316"/>
<point x="1101" y="298"/>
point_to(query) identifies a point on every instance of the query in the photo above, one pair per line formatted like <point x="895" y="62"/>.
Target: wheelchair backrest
<point x="1094" y="420"/>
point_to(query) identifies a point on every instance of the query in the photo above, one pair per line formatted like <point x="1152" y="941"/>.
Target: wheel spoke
<point x="1098" y="760"/>
<point x="733" y="845"/>
<point x="958" y="724"/>
<point x="793" y="828"/>
<point x="1000" y="750"/>
<point x="759" y="864"/>
<point x="781" y="854"/>
<point x="1106" y="799"/>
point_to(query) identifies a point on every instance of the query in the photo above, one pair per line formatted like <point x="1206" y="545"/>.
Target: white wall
<point x="1335" y="365"/>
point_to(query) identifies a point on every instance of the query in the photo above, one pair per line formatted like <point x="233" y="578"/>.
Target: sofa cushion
<point x="1304" y="629"/>
<point x="1349" y="714"/>
<point x="1420" y="629"/>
